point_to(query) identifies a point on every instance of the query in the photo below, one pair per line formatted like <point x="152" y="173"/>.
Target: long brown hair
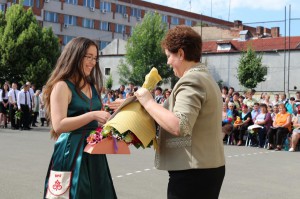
<point x="69" y="66"/>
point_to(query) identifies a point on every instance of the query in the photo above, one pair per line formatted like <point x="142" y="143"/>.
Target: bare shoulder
<point x="62" y="89"/>
<point x="61" y="86"/>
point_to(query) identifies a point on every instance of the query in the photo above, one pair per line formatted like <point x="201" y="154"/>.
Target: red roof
<point x="260" y="44"/>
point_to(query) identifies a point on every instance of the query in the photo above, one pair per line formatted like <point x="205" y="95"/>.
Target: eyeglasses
<point x="90" y="58"/>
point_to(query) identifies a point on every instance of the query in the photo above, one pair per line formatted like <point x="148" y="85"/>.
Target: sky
<point x="248" y="11"/>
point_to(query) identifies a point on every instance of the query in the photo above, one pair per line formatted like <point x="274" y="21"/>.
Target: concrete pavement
<point x="250" y="172"/>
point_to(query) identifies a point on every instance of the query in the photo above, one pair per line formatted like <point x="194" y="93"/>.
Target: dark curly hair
<point x="185" y="38"/>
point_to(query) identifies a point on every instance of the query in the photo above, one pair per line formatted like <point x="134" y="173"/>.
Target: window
<point x="103" y="44"/>
<point x="120" y="28"/>
<point x="28" y="3"/>
<point x="89" y="3"/>
<point x="224" y="46"/>
<point x="164" y="18"/>
<point x="51" y="16"/>
<point x="174" y="21"/>
<point x="105" y="6"/>
<point x="88" y="23"/>
<point x="67" y="39"/>
<point x="135" y="12"/>
<point x="104" y="25"/>
<point x="121" y="9"/>
<point x="70" y="20"/>
<point x="74" y="2"/>
<point x="2" y="7"/>
<point x="188" y="22"/>
<point x="37" y="3"/>
<point x="107" y="71"/>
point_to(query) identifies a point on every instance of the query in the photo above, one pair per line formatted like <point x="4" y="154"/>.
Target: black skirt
<point x="196" y="183"/>
<point x="2" y="108"/>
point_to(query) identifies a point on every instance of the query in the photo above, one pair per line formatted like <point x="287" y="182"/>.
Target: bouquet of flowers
<point x="129" y="125"/>
<point x="18" y="115"/>
<point x="101" y="133"/>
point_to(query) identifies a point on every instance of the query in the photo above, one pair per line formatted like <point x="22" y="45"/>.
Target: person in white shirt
<point x="276" y="100"/>
<point x="13" y="106"/>
<point x="24" y="105"/>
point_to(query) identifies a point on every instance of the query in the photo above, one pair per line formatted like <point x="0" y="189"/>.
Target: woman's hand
<point x="101" y="116"/>
<point x="115" y="104"/>
<point x="144" y="96"/>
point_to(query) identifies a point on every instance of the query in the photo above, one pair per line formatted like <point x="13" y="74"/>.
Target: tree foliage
<point x="251" y="71"/>
<point x="109" y="82"/>
<point x="28" y="52"/>
<point x="144" y="52"/>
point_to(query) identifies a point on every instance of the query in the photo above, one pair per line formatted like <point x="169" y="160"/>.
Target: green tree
<point x="251" y="71"/>
<point x="109" y="82"/>
<point x="28" y="52"/>
<point x="143" y="51"/>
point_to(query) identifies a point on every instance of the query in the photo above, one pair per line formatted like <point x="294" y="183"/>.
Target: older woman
<point x="263" y="119"/>
<point x="190" y="144"/>
<point x="239" y="129"/>
<point x="250" y="100"/>
<point x="227" y="118"/>
<point x="281" y="127"/>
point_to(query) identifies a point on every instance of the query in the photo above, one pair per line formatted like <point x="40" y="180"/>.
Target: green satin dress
<point x="91" y="178"/>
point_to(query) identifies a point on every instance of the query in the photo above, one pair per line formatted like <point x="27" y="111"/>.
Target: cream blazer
<point x="196" y="100"/>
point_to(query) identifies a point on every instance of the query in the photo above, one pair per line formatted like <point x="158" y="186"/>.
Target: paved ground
<point x="251" y="173"/>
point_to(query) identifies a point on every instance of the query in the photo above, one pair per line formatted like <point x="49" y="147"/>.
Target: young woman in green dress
<point x="74" y="108"/>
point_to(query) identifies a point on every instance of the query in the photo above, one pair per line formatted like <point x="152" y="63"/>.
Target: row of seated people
<point x="261" y="124"/>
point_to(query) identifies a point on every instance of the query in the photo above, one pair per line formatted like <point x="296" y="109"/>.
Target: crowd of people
<point x="108" y="95"/>
<point x="21" y="107"/>
<point x="265" y="123"/>
<point x="272" y="121"/>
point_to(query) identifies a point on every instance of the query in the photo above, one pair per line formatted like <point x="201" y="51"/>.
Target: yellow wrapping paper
<point x="132" y="116"/>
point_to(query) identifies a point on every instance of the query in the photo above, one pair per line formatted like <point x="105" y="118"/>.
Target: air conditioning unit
<point x="138" y="18"/>
<point x="92" y="9"/>
<point x="125" y="15"/>
<point x="103" y="11"/>
<point x="66" y="25"/>
<point x="47" y="1"/>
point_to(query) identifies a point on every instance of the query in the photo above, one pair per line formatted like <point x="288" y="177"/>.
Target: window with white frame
<point x="188" y="22"/>
<point x="88" y="23"/>
<point x="164" y="18"/>
<point x="103" y="44"/>
<point x="70" y="20"/>
<point x="67" y="38"/>
<point x="121" y="9"/>
<point x="104" y="25"/>
<point x="51" y="16"/>
<point x="120" y="28"/>
<point x="2" y="7"/>
<point x="136" y="12"/>
<point x="174" y="20"/>
<point x="28" y="3"/>
<point x="89" y="3"/>
<point x="105" y="6"/>
<point x="74" y="2"/>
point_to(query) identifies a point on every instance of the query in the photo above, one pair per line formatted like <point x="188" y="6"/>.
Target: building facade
<point x="222" y="58"/>
<point x="106" y="20"/>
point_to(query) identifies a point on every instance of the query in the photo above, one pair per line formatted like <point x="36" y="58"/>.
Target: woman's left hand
<point x="144" y="96"/>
